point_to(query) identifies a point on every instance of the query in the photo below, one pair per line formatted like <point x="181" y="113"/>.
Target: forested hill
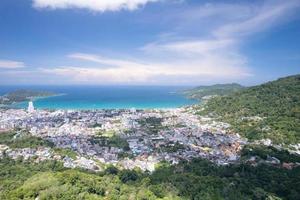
<point x="218" y="89"/>
<point x="23" y="95"/>
<point x="270" y="110"/>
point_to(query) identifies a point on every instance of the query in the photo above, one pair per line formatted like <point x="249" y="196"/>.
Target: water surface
<point x="106" y="97"/>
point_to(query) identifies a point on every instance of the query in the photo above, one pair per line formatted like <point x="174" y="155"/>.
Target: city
<point x="127" y="138"/>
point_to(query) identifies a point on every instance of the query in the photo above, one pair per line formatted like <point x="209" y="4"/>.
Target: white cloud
<point x="260" y="18"/>
<point x="107" y="62"/>
<point x="179" y="71"/>
<point x="202" y="44"/>
<point x="190" y="46"/>
<point x="241" y="18"/>
<point x="10" y="64"/>
<point x="94" y="5"/>
<point x="96" y="75"/>
<point x="212" y="58"/>
<point x="217" y="53"/>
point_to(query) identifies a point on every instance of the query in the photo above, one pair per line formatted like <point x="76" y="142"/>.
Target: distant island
<point x="206" y="92"/>
<point x="23" y="95"/>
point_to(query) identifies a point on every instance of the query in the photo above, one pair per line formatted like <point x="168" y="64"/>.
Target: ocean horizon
<point x="106" y="97"/>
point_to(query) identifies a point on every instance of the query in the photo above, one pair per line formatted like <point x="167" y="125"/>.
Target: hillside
<point x="198" y="179"/>
<point x="203" y="92"/>
<point x="270" y="110"/>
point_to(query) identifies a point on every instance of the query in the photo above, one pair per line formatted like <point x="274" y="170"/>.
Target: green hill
<point x="197" y="179"/>
<point x="23" y="95"/>
<point x="270" y="110"/>
<point x="218" y="89"/>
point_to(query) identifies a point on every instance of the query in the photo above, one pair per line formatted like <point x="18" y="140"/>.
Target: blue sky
<point x="148" y="42"/>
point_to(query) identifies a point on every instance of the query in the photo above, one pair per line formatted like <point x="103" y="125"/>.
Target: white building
<point x="30" y="107"/>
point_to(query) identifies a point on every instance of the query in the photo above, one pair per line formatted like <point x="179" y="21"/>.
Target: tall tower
<point x="30" y="107"/>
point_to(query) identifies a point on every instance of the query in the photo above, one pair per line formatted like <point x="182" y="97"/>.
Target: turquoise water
<point x="106" y="97"/>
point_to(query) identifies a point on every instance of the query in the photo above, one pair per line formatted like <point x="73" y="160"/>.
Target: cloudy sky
<point x="148" y="42"/>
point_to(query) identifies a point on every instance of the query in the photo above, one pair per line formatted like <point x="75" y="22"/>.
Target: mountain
<point x="270" y="110"/>
<point x="204" y="92"/>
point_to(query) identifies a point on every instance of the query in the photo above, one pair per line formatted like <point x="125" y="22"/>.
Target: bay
<point x="106" y="97"/>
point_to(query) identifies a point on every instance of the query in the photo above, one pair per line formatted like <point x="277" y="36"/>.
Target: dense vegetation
<point x="151" y="125"/>
<point x="49" y="180"/>
<point x="22" y="95"/>
<point x="65" y="152"/>
<point x="113" y="141"/>
<point x="270" y="110"/>
<point x="198" y="179"/>
<point x="268" y="151"/>
<point x="218" y="89"/>
<point x="24" y="140"/>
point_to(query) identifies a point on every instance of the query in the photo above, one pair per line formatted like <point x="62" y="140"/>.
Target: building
<point x="30" y="107"/>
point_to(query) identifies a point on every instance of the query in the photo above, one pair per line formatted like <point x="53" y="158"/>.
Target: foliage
<point x="197" y="179"/>
<point x="117" y="141"/>
<point x="25" y="140"/>
<point x="151" y="125"/>
<point x="265" y="151"/>
<point x="111" y="170"/>
<point x="270" y="110"/>
<point x="113" y="141"/>
<point x="201" y="179"/>
<point x="108" y="133"/>
<point x="218" y="89"/>
<point x="128" y="175"/>
<point x="65" y="152"/>
<point x="14" y="173"/>
<point x="20" y="180"/>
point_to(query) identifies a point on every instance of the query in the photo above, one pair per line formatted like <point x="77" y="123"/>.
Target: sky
<point x="148" y="42"/>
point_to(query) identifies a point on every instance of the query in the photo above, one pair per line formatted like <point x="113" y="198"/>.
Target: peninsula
<point x="23" y="95"/>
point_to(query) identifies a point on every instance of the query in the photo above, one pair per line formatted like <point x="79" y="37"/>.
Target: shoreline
<point x="94" y="101"/>
<point x="100" y="109"/>
<point x="30" y="99"/>
<point x="93" y="106"/>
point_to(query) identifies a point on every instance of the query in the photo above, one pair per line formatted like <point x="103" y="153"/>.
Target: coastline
<point x="32" y="99"/>
<point x="99" y="98"/>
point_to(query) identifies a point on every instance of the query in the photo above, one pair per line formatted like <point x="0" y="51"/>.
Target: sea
<point x="106" y="97"/>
